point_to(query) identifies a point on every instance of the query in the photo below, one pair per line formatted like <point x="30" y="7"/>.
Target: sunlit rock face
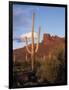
<point x="48" y="39"/>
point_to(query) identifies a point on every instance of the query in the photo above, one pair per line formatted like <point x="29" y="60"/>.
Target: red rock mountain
<point x="45" y="46"/>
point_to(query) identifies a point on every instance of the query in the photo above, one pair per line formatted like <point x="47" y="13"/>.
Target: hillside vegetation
<point x="49" y="66"/>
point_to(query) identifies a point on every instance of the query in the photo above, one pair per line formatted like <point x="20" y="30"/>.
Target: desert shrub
<point x="21" y="65"/>
<point x="18" y="68"/>
<point x="47" y="70"/>
<point x="52" y="69"/>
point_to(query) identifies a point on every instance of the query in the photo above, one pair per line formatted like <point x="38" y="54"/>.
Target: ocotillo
<point x="33" y="50"/>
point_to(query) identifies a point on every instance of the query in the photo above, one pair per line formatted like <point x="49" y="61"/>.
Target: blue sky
<point x="52" y="21"/>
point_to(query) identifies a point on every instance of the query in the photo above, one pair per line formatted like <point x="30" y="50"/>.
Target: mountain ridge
<point x="49" y="42"/>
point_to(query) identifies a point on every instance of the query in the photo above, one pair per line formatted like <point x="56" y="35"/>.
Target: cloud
<point x="22" y="37"/>
<point x="29" y="35"/>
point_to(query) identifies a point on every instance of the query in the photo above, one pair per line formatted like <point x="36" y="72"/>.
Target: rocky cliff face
<point x="47" y="44"/>
<point x="47" y="38"/>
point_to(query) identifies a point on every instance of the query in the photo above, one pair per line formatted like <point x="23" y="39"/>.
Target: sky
<point x="50" y="19"/>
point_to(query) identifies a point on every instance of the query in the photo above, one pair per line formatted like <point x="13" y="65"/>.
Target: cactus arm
<point x="14" y="58"/>
<point x="26" y="56"/>
<point x="27" y="47"/>
<point x="38" y="41"/>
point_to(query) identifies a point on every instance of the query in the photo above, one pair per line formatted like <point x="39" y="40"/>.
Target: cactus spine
<point x="33" y="49"/>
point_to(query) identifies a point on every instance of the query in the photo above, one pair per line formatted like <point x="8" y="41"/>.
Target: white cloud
<point x="28" y="35"/>
<point x="22" y="37"/>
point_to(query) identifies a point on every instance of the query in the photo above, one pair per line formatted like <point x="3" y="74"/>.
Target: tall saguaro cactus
<point x="33" y="49"/>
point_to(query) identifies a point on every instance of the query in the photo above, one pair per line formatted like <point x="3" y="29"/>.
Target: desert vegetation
<point x="48" y="69"/>
<point x="46" y="64"/>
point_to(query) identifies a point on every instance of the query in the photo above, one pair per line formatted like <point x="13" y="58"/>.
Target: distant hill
<point x="45" y="47"/>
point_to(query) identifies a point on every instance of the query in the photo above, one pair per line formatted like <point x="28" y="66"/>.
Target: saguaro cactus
<point x="33" y="49"/>
<point x="26" y="57"/>
<point x="14" y="58"/>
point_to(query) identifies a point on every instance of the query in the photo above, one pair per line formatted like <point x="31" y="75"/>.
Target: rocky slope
<point x="49" y="42"/>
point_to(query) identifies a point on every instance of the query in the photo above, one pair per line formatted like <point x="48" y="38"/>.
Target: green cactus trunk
<point x="33" y="52"/>
<point x="33" y="49"/>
